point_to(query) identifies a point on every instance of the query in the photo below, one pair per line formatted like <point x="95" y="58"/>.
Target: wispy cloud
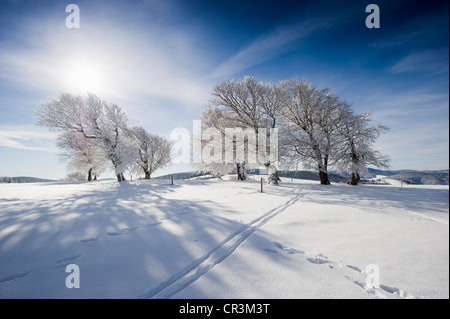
<point x="283" y="38"/>
<point x="267" y="47"/>
<point x="432" y="61"/>
<point x="411" y="148"/>
<point x="27" y="137"/>
<point x="403" y="105"/>
<point x="422" y="31"/>
<point x="399" y="39"/>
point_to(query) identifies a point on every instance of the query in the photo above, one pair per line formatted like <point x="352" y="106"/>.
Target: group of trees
<point x="248" y="124"/>
<point x="315" y="128"/>
<point x="94" y="137"/>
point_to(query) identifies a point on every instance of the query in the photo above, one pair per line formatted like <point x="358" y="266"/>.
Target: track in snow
<point x="201" y="266"/>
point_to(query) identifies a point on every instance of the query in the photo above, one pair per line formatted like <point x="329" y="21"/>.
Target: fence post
<point x="261" y="185"/>
<point x="172" y="179"/>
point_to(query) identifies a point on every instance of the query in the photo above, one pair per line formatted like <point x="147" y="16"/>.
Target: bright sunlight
<point x="84" y="77"/>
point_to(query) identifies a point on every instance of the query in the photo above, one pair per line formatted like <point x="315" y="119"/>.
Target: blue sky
<point x="159" y="60"/>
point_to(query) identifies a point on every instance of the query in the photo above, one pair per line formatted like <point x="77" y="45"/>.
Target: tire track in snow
<point x="225" y="248"/>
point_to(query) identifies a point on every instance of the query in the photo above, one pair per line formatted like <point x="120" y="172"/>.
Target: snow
<point x="223" y="239"/>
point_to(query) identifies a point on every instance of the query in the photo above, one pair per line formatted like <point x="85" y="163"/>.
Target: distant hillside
<point x="438" y="177"/>
<point x="23" y="179"/>
<point x="373" y="172"/>
<point x="423" y="178"/>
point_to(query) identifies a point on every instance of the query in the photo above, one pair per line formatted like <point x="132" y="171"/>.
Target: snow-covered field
<point x="223" y="239"/>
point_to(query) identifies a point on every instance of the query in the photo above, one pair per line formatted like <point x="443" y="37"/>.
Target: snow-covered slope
<point x="223" y="239"/>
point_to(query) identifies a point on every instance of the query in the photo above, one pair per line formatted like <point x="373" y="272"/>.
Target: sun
<point x="83" y="77"/>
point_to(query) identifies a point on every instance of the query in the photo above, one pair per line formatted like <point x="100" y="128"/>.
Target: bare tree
<point x="355" y="148"/>
<point x="153" y="151"/>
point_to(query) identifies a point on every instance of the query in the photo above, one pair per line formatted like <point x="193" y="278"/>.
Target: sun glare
<point x="84" y="77"/>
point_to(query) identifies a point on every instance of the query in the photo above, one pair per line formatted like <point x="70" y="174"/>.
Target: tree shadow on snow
<point x="125" y="239"/>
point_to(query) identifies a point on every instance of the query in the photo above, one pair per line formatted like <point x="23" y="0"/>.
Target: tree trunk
<point x="147" y="175"/>
<point x="120" y="177"/>
<point x="240" y="168"/>
<point x="355" y="179"/>
<point x="272" y="176"/>
<point x="277" y="176"/>
<point x="90" y="175"/>
<point x="324" y="178"/>
<point x="273" y="179"/>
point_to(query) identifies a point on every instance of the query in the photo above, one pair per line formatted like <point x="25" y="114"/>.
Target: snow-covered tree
<point x="153" y="151"/>
<point x="74" y="177"/>
<point x="74" y="113"/>
<point x="82" y="154"/>
<point x="321" y="131"/>
<point x="311" y="119"/>
<point x="249" y="104"/>
<point x="210" y="157"/>
<point x="115" y="139"/>
<point x="91" y="118"/>
<point x="355" y="150"/>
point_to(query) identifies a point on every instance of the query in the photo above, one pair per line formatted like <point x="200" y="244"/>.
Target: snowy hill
<point x="223" y="239"/>
<point x="423" y="178"/>
<point x="374" y="172"/>
<point x="23" y="179"/>
<point x="440" y="177"/>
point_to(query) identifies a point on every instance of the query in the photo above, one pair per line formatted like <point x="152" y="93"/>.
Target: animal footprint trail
<point x="130" y="228"/>
<point x="382" y="292"/>
<point x="14" y="277"/>
<point x="59" y="263"/>
<point x="66" y="261"/>
<point x="354" y="268"/>
<point x="287" y="249"/>
<point x="318" y="261"/>
<point x="88" y="240"/>
<point x="270" y="251"/>
<point x="113" y="233"/>
<point x="385" y="292"/>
